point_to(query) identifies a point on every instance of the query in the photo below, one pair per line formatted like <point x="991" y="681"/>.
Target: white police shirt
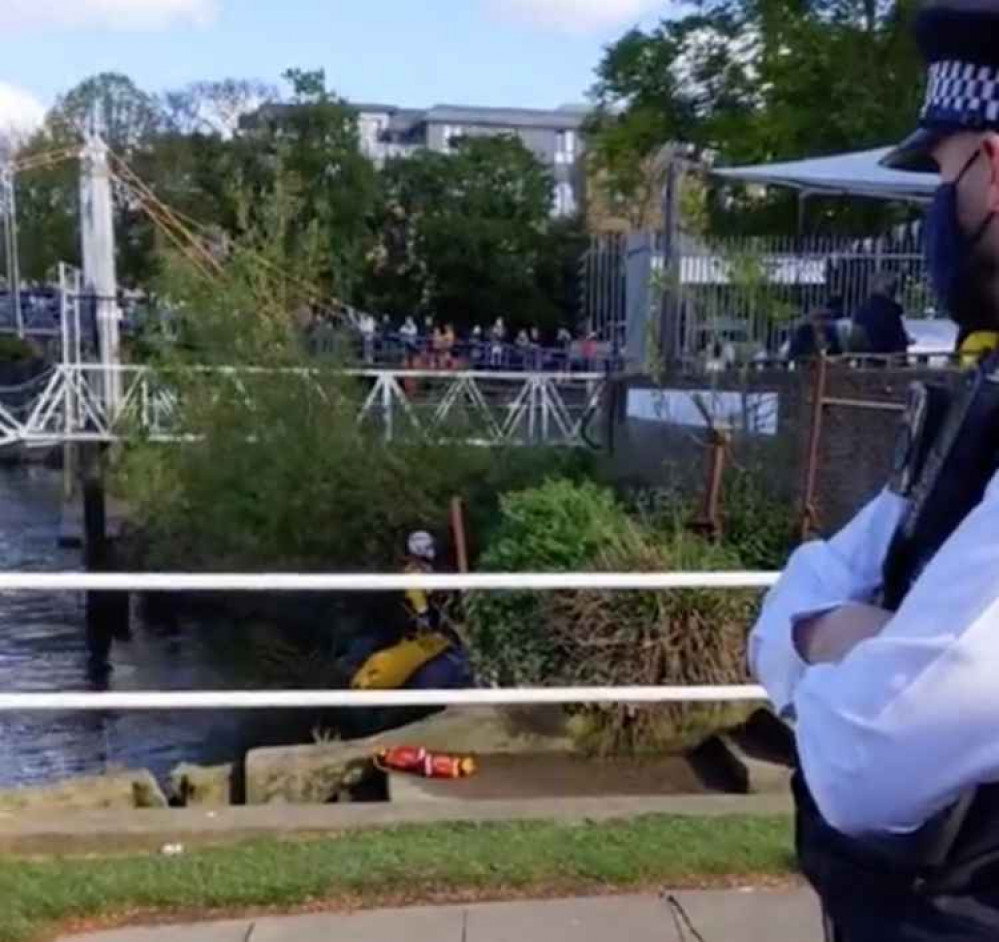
<point x="909" y="720"/>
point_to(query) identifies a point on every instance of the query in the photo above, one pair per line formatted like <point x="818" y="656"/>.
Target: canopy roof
<point x="856" y="174"/>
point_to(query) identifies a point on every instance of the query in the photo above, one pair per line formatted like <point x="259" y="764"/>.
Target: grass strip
<point x="419" y="863"/>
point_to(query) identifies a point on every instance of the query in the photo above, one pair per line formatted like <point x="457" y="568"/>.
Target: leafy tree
<point x="48" y="197"/>
<point x="758" y="80"/>
<point x="215" y="108"/>
<point x="468" y="236"/>
<point x="126" y="116"/>
<point x="312" y="140"/>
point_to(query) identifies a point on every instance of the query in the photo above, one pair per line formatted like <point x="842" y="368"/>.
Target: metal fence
<point x="604" y="280"/>
<point x="747" y="291"/>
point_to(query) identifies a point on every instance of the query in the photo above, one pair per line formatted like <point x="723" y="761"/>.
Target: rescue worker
<point x="430" y="655"/>
<point x="881" y="645"/>
<point x="422" y="608"/>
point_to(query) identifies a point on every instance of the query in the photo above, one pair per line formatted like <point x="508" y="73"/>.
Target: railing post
<point x="387" y="406"/>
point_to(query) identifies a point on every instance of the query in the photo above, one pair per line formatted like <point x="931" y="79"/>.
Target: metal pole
<point x="67" y="379"/>
<point x="99" y="275"/>
<point x="13" y="268"/>
<point x="386" y="407"/>
<point x="14" y="261"/>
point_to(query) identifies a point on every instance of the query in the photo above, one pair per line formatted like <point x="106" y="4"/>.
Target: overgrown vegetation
<point x="614" y="639"/>
<point x="686" y="637"/>
<point x="408" y="865"/>
<point x="279" y="472"/>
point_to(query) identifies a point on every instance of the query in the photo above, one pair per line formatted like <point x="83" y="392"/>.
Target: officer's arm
<point x="830" y="637"/>
<point x="820" y="577"/>
<point x="907" y="722"/>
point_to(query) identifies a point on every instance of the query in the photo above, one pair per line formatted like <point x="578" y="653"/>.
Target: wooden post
<point x="107" y="612"/>
<point x="710" y="522"/>
<point x="458" y="532"/>
<point x="809" y="512"/>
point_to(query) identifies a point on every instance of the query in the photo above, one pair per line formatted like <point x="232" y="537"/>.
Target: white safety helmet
<point x="422" y="545"/>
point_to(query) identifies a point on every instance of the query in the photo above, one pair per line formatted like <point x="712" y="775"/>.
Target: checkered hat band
<point x="962" y="93"/>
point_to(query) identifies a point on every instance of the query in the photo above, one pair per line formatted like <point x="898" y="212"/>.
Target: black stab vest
<point x="941" y="883"/>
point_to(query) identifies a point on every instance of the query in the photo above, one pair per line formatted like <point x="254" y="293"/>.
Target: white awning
<point x="856" y="174"/>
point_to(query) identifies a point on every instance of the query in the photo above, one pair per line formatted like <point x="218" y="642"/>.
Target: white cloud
<point x="578" y="16"/>
<point x="104" y="14"/>
<point x="20" y="113"/>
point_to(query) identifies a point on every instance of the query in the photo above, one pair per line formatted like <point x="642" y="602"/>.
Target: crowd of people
<point x="876" y="328"/>
<point x="439" y="346"/>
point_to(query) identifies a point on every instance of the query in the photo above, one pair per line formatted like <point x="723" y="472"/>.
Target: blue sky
<point x="534" y="53"/>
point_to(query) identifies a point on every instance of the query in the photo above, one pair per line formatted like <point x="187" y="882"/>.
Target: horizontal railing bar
<point x="508" y="376"/>
<point x="324" y="699"/>
<point x="398" y="582"/>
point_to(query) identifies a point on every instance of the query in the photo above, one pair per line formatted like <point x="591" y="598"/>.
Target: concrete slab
<point x="236" y="931"/>
<point x="732" y="916"/>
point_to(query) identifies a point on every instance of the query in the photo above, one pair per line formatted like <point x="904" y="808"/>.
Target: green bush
<point x="295" y="483"/>
<point x="561" y="526"/>
<point x="606" y="638"/>
<point x="758" y="526"/>
<point x="15" y="350"/>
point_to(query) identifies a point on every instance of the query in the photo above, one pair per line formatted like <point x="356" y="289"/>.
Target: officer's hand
<point x="829" y="638"/>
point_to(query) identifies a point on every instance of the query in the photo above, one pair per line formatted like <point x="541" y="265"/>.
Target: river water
<point x="43" y="648"/>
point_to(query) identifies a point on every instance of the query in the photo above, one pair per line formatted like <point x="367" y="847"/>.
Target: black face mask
<point x="961" y="273"/>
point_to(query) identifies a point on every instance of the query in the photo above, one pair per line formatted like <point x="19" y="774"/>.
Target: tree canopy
<point x="751" y="81"/>
<point x="467" y="236"/>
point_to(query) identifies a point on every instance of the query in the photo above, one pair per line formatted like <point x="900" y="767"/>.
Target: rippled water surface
<point x="42" y="647"/>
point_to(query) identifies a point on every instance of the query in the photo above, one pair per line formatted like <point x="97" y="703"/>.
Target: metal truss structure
<point x="69" y="404"/>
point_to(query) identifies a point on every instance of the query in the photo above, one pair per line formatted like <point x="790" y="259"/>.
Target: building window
<point x="566" y="147"/>
<point x="565" y="200"/>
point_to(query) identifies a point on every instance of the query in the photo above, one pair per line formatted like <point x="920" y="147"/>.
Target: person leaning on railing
<point x="882" y="643"/>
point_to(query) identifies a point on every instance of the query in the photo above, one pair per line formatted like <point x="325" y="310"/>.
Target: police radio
<point x="948" y="451"/>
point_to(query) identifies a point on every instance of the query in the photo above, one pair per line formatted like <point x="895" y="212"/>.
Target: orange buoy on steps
<point x="421" y="762"/>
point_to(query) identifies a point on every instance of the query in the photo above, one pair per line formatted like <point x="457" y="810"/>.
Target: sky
<point x="528" y="53"/>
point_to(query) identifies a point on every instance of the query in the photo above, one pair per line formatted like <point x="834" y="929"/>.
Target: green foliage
<point x="48" y="209"/>
<point x="279" y="473"/>
<point x="467" y="236"/>
<point x="313" y="139"/>
<point x="604" y="638"/>
<point x="751" y="81"/>
<point x="14" y="350"/>
<point x="126" y="116"/>
<point x="758" y="526"/>
<point x="560" y="526"/>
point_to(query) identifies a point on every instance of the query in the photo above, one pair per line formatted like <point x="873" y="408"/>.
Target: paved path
<point x="731" y="916"/>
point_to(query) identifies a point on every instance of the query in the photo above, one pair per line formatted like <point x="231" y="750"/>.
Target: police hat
<point x="960" y="41"/>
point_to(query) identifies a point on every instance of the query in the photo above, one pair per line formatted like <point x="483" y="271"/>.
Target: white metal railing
<point x="493" y="408"/>
<point x="305" y="699"/>
<point x="360" y="582"/>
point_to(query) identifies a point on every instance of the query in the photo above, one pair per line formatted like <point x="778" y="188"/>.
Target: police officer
<point x="881" y="645"/>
